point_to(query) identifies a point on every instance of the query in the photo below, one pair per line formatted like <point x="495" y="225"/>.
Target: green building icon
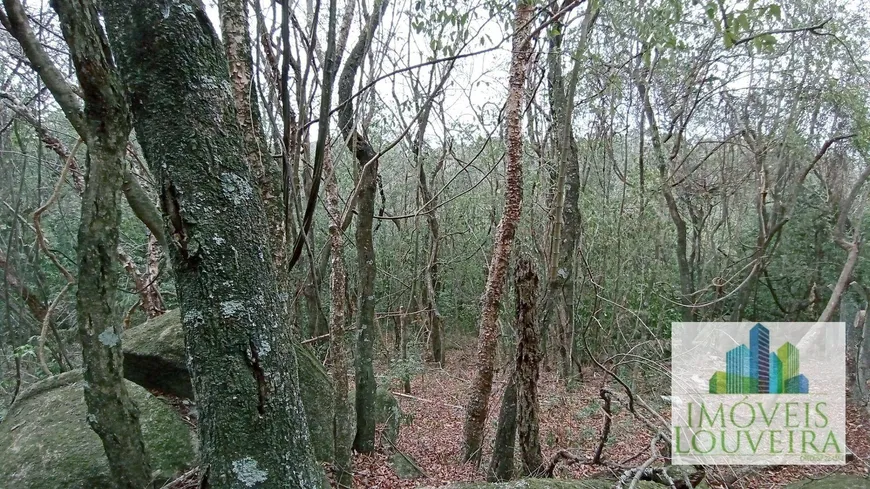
<point x="718" y="383"/>
<point x="758" y="370"/>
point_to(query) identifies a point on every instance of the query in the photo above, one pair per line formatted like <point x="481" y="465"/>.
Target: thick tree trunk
<point x="365" y="252"/>
<point x="111" y="412"/>
<point x="501" y="465"/>
<point x="527" y="368"/>
<point x="252" y="426"/>
<point x="481" y="386"/>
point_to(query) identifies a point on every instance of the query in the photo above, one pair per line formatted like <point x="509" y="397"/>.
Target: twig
<point x="813" y="29"/>
<point x="46" y="320"/>
<point x="40" y="238"/>
<point x="316" y="338"/>
<point x="408" y="396"/>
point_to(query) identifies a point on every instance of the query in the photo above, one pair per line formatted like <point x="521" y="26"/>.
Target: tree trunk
<point x="252" y="427"/>
<point x="564" y="206"/>
<point x="478" y="398"/>
<point x="862" y="358"/>
<point x="843" y="280"/>
<point x="264" y="169"/>
<point x="403" y="338"/>
<point x="365" y="250"/>
<point x="527" y="368"/>
<point x="367" y="159"/>
<point x="344" y="416"/>
<point x="501" y="465"/>
<point x="103" y="125"/>
<point x="685" y="270"/>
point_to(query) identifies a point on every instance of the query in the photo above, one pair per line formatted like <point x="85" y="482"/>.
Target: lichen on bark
<point x="241" y="357"/>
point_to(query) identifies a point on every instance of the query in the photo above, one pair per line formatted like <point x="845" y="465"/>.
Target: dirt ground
<point x="571" y="419"/>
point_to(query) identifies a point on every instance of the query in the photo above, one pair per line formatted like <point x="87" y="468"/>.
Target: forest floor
<point x="570" y="420"/>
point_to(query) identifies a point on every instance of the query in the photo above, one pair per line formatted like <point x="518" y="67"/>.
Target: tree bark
<point x="528" y="361"/>
<point x="367" y="159"/>
<point x="106" y="117"/>
<point x="501" y="465"/>
<point x="481" y="387"/>
<point x="264" y="169"/>
<point x="344" y="416"/>
<point x="252" y="427"/>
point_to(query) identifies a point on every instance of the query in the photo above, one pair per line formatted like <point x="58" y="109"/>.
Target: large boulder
<point x="45" y="442"/>
<point x="155" y="358"/>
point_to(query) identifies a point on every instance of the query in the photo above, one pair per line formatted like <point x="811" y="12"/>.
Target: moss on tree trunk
<point x="252" y="425"/>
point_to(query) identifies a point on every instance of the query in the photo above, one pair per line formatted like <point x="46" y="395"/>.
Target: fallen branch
<point x="605" y="432"/>
<point x="560" y="456"/>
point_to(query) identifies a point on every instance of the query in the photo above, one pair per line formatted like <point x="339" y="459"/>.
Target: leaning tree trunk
<point x="845" y="278"/>
<point x="528" y="362"/>
<point x="478" y="398"/>
<point x="252" y="427"/>
<point x="104" y="125"/>
<point x="367" y="158"/>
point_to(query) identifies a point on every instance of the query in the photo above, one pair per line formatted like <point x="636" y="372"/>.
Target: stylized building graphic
<point x="737" y="375"/>
<point x="719" y="383"/>
<point x="757" y="370"/>
<point x="791" y="362"/>
<point x="797" y="385"/>
<point x="775" y="374"/>
<point x="759" y="356"/>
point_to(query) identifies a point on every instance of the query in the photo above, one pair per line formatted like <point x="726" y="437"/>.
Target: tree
<point x="264" y="170"/>
<point x="252" y="426"/>
<point x="103" y="125"/>
<point x="528" y="359"/>
<point x="344" y="415"/>
<point x="367" y="159"/>
<point x="481" y="386"/>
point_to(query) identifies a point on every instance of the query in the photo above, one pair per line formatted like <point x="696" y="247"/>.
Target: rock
<point x="318" y="399"/>
<point x="836" y="481"/>
<point x="155" y="358"/>
<point x="404" y="466"/>
<point x="45" y="442"/>
<point x="387" y="411"/>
